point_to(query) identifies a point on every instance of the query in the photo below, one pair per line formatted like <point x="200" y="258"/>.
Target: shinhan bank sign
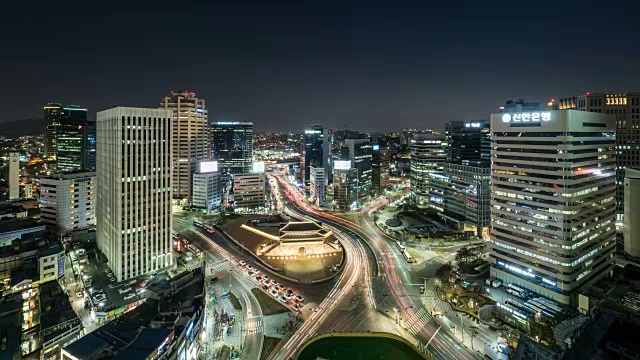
<point x="532" y="117"/>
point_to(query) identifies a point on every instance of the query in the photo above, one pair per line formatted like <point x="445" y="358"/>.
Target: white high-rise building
<point x="553" y="191"/>
<point x="68" y="200"/>
<point x="14" y="176"/>
<point x="190" y="138"/>
<point x="317" y="179"/>
<point x="428" y="153"/>
<point x="134" y="189"/>
<point x="632" y="212"/>
<point x="207" y="187"/>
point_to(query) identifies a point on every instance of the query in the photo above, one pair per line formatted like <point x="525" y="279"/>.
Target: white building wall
<point x="67" y="201"/>
<point x="632" y="212"/>
<point x="14" y="176"/>
<point x="207" y="191"/>
<point x="134" y="189"/>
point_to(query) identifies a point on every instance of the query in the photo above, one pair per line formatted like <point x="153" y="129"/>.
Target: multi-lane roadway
<point x="407" y="310"/>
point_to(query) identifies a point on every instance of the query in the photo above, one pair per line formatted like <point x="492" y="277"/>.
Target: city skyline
<point x="282" y="65"/>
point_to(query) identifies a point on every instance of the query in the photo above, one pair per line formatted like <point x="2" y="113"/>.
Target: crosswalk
<point x="254" y="325"/>
<point x="434" y="260"/>
<point x="422" y="317"/>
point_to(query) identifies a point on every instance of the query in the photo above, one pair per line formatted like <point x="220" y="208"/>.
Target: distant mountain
<point x="26" y="126"/>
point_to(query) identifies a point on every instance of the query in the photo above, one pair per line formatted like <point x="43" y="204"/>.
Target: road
<point x="408" y="310"/>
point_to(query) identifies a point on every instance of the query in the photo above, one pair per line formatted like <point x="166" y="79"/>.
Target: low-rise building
<point x="59" y="324"/>
<point x="206" y="193"/>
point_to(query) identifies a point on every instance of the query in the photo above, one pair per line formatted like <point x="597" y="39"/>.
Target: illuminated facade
<point x="75" y="141"/>
<point x="189" y="138"/>
<point x="207" y="191"/>
<point x="232" y="146"/>
<point x="133" y="176"/>
<point x="632" y="212"/>
<point x="360" y="155"/>
<point x="317" y="184"/>
<point x="68" y="201"/>
<point x="380" y="164"/>
<point x="345" y="185"/>
<point x="52" y="114"/>
<point x="315" y="153"/>
<point x="249" y="191"/>
<point x="552" y="200"/>
<point x="626" y="108"/>
<point x="428" y="153"/>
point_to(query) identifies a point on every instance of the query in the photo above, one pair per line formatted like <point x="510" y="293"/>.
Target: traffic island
<point x="360" y="346"/>
<point x="301" y="251"/>
<point x="268" y="304"/>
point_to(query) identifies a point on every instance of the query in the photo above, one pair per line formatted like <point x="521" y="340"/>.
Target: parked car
<point x="274" y="292"/>
<point x="299" y="298"/>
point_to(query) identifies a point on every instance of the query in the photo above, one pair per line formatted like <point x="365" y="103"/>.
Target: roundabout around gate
<point x="301" y="251"/>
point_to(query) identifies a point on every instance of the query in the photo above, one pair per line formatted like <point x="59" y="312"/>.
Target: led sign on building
<point x="258" y="167"/>
<point x="473" y="125"/>
<point x="342" y="165"/>
<point x="527" y="117"/>
<point x="208" y="167"/>
<point x="375" y="147"/>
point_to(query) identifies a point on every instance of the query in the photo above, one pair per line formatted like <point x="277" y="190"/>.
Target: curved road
<point x="427" y="330"/>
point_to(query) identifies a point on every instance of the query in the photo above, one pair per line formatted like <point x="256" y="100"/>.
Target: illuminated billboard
<point x="342" y="165"/>
<point x="208" y="167"/>
<point x="375" y="147"/>
<point x="258" y="167"/>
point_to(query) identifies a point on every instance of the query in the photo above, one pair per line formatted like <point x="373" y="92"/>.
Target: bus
<point x="208" y="228"/>
<point x="175" y="234"/>
<point x="551" y="304"/>
<point x="407" y="256"/>
<point x="400" y="247"/>
<point x="197" y="223"/>
<point x="517" y="291"/>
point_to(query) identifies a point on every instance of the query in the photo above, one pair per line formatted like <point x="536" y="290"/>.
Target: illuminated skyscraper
<point x="626" y="109"/>
<point x="232" y="146"/>
<point x="189" y="138"/>
<point x="52" y="114"/>
<point x="428" y="153"/>
<point x="315" y="153"/>
<point x="133" y="178"/>
<point x="552" y="200"/>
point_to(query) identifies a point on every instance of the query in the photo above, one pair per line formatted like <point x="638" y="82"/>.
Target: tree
<point x="443" y="275"/>
<point x="473" y="330"/>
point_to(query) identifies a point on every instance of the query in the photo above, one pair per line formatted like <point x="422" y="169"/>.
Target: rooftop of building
<point x="147" y="341"/>
<point x="75" y="174"/>
<point x="10" y="327"/>
<point x="19" y="224"/>
<point x="55" y="307"/>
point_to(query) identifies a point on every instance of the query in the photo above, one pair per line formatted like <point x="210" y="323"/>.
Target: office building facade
<point x="134" y="172"/>
<point x="317" y="185"/>
<point x="14" y="176"/>
<point x="315" y="152"/>
<point x="68" y="201"/>
<point x="52" y="114"/>
<point x="380" y="178"/>
<point x="359" y="152"/>
<point x="249" y="191"/>
<point x="626" y="109"/>
<point x="428" y="153"/>
<point x="552" y="200"/>
<point x="631" y="228"/>
<point x="190" y="138"/>
<point x="232" y="146"/>
<point x="76" y="147"/>
<point x="467" y="176"/>
<point x="207" y="187"/>
<point x="345" y="185"/>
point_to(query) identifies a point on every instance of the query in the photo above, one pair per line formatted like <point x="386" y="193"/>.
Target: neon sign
<point x="527" y="117"/>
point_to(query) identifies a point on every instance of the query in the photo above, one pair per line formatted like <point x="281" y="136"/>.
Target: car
<point x="125" y="290"/>
<point x="289" y="292"/>
<point x="243" y="263"/>
<point x="299" y="298"/>
<point x="259" y="278"/>
<point x="296" y="307"/>
<point x="274" y="283"/>
<point x="280" y="287"/>
<point x="287" y="296"/>
<point x="421" y="290"/>
<point x="265" y="287"/>
<point x="274" y="292"/>
<point x="282" y="299"/>
<point x="80" y="294"/>
<point x="130" y="296"/>
<point x="265" y="278"/>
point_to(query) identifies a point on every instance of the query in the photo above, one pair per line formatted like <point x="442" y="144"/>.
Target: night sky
<point x="371" y="65"/>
